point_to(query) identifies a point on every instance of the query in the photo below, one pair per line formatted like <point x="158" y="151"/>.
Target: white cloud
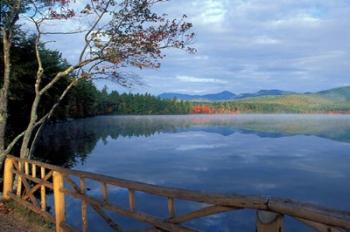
<point x="247" y="45"/>
<point x="199" y="80"/>
<point x="265" y="40"/>
<point x="303" y="20"/>
<point x="212" y="11"/>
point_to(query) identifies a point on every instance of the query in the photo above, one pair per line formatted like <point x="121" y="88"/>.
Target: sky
<point x="248" y="45"/>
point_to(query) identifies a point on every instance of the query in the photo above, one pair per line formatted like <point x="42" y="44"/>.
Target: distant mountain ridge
<point x="331" y="101"/>
<point x="223" y="96"/>
<point x="341" y="93"/>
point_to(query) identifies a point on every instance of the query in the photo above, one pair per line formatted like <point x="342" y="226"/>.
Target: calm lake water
<point x="303" y="157"/>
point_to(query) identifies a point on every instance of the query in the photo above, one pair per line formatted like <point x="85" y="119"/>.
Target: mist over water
<point x="303" y="157"/>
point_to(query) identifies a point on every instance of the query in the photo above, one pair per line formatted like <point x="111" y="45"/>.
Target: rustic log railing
<point x="34" y="179"/>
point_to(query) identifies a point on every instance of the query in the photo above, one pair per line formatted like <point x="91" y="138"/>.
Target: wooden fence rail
<point x="35" y="179"/>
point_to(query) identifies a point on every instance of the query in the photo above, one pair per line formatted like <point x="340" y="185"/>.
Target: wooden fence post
<point x="19" y="178"/>
<point x="132" y="200"/>
<point x="267" y="221"/>
<point x="58" y="184"/>
<point x="8" y="178"/>
<point x="171" y="207"/>
<point x="42" y="190"/>
<point x="83" y="206"/>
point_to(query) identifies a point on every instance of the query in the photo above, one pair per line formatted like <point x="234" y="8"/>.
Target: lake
<point x="302" y="157"/>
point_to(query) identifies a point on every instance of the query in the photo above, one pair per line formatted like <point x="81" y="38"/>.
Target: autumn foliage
<point x="212" y="109"/>
<point x="202" y="109"/>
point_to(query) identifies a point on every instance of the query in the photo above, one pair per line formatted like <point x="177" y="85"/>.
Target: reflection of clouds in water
<point x="185" y="135"/>
<point x="265" y="186"/>
<point x="200" y="169"/>
<point x="242" y="161"/>
<point x="199" y="146"/>
<point x="170" y="151"/>
<point x="95" y="190"/>
<point x="319" y="170"/>
<point x="214" y="220"/>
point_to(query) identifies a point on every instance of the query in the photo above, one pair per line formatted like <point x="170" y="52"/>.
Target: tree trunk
<point x="50" y="113"/>
<point x="24" y="152"/>
<point x="4" y="93"/>
<point x="8" y="26"/>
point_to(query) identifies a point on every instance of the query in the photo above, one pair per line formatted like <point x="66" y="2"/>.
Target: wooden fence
<point x="27" y="182"/>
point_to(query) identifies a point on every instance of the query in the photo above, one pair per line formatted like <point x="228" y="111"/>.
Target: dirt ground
<point x="13" y="220"/>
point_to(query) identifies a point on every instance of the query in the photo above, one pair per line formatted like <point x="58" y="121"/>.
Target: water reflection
<point x="295" y="156"/>
<point x="66" y="143"/>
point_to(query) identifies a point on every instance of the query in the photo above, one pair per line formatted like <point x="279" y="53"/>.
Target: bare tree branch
<point x="63" y="32"/>
<point x="87" y="41"/>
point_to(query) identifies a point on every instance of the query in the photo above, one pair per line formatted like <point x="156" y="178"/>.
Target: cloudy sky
<point x="248" y="45"/>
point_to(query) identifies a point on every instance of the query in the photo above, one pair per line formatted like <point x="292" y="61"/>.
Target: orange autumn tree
<point x="119" y="33"/>
<point x="202" y="109"/>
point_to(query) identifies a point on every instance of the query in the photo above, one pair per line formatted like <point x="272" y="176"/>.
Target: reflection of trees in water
<point x="67" y="143"/>
<point x="329" y="127"/>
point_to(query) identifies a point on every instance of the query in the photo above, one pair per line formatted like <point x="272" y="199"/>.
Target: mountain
<point x="335" y="100"/>
<point x="272" y="92"/>
<point x="179" y="96"/>
<point x="222" y="96"/>
<point x="340" y="94"/>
